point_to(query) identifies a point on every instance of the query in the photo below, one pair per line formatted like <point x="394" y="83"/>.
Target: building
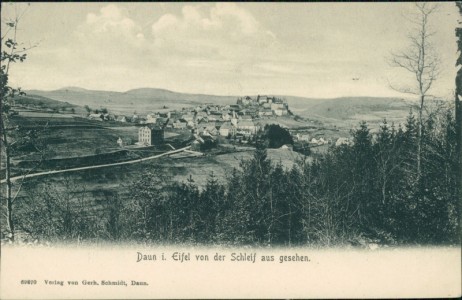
<point x="265" y="112"/>
<point x="303" y="137"/>
<point x="97" y="117"/>
<point x="180" y="124"/>
<point x="247" y="125"/>
<point x="122" y="119"/>
<point x="342" y="141"/>
<point x="150" y="119"/>
<point x="226" y="129"/>
<point x="151" y="135"/>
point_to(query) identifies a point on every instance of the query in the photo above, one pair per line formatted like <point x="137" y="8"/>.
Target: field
<point x="97" y="184"/>
<point x="40" y="102"/>
<point x="65" y="141"/>
<point x="345" y="114"/>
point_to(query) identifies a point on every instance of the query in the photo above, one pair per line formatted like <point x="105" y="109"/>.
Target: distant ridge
<point x="150" y="99"/>
<point x="72" y="88"/>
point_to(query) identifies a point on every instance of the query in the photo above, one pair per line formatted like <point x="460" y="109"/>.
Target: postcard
<point x="211" y="150"/>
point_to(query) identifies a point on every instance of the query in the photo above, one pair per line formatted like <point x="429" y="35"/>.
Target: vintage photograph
<point x="255" y="125"/>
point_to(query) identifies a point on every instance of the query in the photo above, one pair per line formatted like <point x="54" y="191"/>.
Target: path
<point x="97" y="166"/>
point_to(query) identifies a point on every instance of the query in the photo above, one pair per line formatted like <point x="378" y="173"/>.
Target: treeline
<point x="368" y="190"/>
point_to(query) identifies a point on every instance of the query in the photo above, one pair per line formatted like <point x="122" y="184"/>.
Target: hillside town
<point x="240" y="120"/>
<point x="207" y="122"/>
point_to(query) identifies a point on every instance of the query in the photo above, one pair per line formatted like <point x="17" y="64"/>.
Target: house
<point x="180" y="124"/>
<point x="303" y="137"/>
<point x="122" y="119"/>
<point x="191" y="124"/>
<point x="201" y="120"/>
<point x="278" y="112"/>
<point x="247" y="125"/>
<point x="97" y="117"/>
<point x="151" y="135"/>
<point x="187" y="117"/>
<point x="150" y="119"/>
<point x="226" y="129"/>
<point x="276" y="106"/>
<point x="265" y="112"/>
<point x="202" y="143"/>
<point x="342" y="141"/>
<point x="210" y="129"/>
<point x="262" y="99"/>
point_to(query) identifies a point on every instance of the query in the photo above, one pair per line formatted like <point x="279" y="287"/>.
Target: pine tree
<point x="364" y="170"/>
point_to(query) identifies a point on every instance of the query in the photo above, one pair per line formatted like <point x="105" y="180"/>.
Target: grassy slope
<point x="346" y="113"/>
<point x="44" y="102"/>
<point x="140" y="100"/>
<point x="98" y="182"/>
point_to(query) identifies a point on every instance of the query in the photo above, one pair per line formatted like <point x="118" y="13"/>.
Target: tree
<point x="277" y="136"/>
<point x="210" y="209"/>
<point x="11" y="52"/>
<point x="145" y="215"/>
<point x="363" y="170"/>
<point x="58" y="211"/>
<point x="421" y="60"/>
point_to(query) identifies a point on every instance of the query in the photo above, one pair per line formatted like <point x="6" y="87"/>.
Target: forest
<point x="372" y="191"/>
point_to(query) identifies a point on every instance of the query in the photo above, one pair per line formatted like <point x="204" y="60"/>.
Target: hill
<point x="342" y="112"/>
<point x="41" y="103"/>
<point x="347" y="112"/>
<point x="141" y="100"/>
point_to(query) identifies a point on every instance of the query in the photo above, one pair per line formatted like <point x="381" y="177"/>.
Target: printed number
<point x="28" y="281"/>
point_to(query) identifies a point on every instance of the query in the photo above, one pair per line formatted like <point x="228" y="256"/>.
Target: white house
<point x="303" y="137"/>
<point x="226" y="129"/>
<point x="247" y="125"/>
<point x="342" y="141"/>
<point x="97" y="117"/>
<point x="150" y="119"/>
<point x="150" y="135"/>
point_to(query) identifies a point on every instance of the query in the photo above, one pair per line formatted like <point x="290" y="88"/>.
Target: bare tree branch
<point x="421" y="60"/>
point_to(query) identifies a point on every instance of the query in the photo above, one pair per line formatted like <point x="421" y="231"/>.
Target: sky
<point x="302" y="49"/>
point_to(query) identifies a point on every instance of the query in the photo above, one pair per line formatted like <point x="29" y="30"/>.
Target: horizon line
<point x="76" y="88"/>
